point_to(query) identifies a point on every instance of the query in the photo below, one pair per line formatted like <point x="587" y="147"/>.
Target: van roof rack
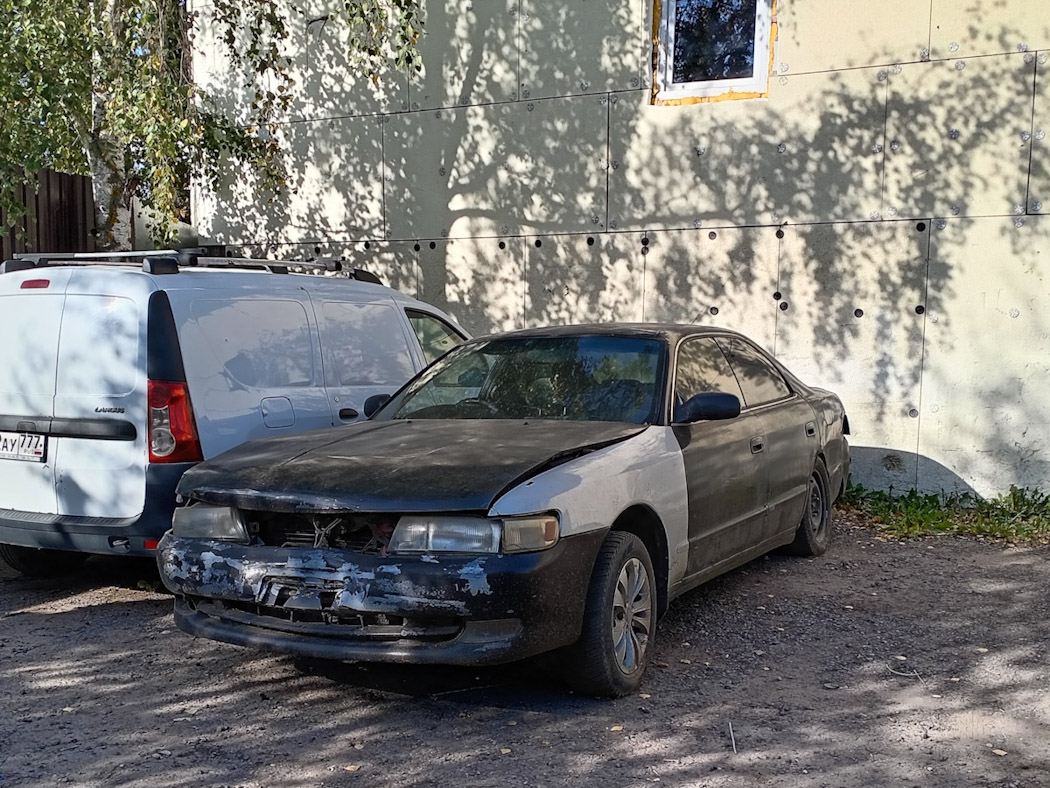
<point x="171" y="261"/>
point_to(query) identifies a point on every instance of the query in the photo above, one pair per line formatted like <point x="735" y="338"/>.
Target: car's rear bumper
<point x="103" y="535"/>
<point x="449" y="609"/>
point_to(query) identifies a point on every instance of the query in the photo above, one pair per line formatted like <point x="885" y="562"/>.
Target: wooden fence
<point x="60" y="218"/>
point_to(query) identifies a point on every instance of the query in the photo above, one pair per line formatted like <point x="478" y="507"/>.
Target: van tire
<point x="36" y="562"/>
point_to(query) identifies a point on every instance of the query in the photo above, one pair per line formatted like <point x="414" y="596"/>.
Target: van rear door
<point x="30" y="319"/>
<point x="99" y="427"/>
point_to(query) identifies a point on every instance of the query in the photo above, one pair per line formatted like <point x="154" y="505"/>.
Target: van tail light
<point x="172" y="428"/>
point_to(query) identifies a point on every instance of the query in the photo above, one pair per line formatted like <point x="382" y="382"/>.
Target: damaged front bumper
<point x="340" y="604"/>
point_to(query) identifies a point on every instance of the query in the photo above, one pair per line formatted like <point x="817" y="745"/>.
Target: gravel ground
<point x="882" y="663"/>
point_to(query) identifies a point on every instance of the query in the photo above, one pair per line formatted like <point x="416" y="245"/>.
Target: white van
<point x="118" y="374"/>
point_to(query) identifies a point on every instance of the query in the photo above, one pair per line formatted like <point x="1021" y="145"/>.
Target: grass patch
<point x="1020" y="516"/>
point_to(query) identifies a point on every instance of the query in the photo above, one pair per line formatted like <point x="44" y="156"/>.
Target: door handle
<point x="811" y="429"/>
<point x="346" y="414"/>
<point x="758" y="443"/>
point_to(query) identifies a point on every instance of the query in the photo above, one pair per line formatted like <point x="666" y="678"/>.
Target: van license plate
<point x="26" y="446"/>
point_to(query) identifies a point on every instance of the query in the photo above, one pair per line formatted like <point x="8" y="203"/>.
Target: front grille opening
<point x="364" y="533"/>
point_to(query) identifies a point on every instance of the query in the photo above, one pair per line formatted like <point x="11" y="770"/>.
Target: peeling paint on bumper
<point x="339" y="604"/>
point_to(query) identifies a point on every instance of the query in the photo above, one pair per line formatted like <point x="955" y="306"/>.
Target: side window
<point x="760" y="380"/>
<point x="365" y="344"/>
<point x="435" y="336"/>
<point x="702" y="369"/>
<point x="261" y="343"/>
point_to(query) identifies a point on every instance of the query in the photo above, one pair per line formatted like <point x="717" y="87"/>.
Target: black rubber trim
<point x="95" y="429"/>
<point x="163" y="353"/>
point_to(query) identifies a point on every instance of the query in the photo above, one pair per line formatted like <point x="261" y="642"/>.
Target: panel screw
<point x="504" y="229"/>
<point x="1029" y="59"/>
<point x="1040" y="134"/>
<point x="464" y="101"/>
<point x="603" y="100"/>
<point x="953" y="46"/>
<point x="895" y="145"/>
<point x="613" y="99"/>
<point x="615" y="165"/>
<point x="876" y="148"/>
<point x="960" y="65"/>
<point x="1018" y="222"/>
<point x="595" y="220"/>
<point x="1015" y="313"/>
<point x="1042" y="60"/>
<point x="783" y="80"/>
<point x="896" y="69"/>
<point x="955" y="210"/>
<point x="782" y="148"/>
<point x="924" y="54"/>
<point x="953" y="134"/>
<point x="1022" y="47"/>
<point x="612" y="225"/>
<point x="874" y="216"/>
<point x="526" y="93"/>
<point x="883" y="76"/>
<point x="892" y="211"/>
<point x="697" y="224"/>
<point x="530" y="106"/>
<point x="441" y="171"/>
<point x="512" y="96"/>
<point x="1037" y="206"/>
<point x="1025" y="136"/>
<point x="415" y="105"/>
<point x="437" y="114"/>
<point x="444" y="233"/>
<point x="783" y="68"/>
<point x="774" y="217"/>
<point x="700" y="150"/>
<point x="584" y="85"/>
<point x="941" y="224"/>
<point x="634" y="82"/>
<point x="1018" y="208"/>
<point x="913" y="413"/>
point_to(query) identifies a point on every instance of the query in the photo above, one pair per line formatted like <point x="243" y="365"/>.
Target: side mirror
<point x="708" y="406"/>
<point x="374" y="403"/>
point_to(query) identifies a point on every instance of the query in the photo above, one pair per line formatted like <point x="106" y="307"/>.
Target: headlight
<point x="203" y="521"/>
<point x="445" y="534"/>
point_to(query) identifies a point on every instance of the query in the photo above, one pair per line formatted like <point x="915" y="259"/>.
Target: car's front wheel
<point x="814" y="531"/>
<point x="34" y="562"/>
<point x="613" y="651"/>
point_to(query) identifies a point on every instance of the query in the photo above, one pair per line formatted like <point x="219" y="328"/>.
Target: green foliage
<point x="105" y="87"/>
<point x="1021" y="515"/>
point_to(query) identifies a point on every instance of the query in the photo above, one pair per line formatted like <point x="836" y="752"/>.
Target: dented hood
<point x="403" y="465"/>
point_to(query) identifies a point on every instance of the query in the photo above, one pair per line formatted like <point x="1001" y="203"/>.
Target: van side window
<point x="261" y="343"/>
<point x="366" y="344"/>
<point x="760" y="380"/>
<point x="702" y="369"/>
<point x="436" y="337"/>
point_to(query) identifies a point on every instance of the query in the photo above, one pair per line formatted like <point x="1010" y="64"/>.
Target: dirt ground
<point x="882" y="663"/>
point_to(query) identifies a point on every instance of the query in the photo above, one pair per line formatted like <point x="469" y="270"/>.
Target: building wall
<point x="876" y="222"/>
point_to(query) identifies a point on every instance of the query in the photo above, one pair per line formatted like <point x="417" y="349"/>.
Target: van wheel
<point x="814" y="531"/>
<point x="36" y="562"/>
<point x="619" y="621"/>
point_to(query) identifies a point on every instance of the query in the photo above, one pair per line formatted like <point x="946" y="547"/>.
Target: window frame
<point x="755" y="86"/>
<point x="412" y="312"/>
<point x="762" y="356"/>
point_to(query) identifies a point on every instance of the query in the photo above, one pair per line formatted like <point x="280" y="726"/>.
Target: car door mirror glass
<point x="707" y="406"/>
<point x="374" y="403"/>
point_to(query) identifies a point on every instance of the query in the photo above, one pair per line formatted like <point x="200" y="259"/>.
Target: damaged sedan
<point x="549" y="489"/>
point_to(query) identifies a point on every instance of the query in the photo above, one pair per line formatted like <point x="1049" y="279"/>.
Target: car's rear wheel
<point x="35" y="562"/>
<point x="613" y="651"/>
<point x="814" y="531"/>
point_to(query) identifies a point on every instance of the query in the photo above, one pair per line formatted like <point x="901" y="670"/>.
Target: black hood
<point x="403" y="465"/>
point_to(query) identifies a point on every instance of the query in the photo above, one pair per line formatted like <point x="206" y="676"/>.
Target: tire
<point x="814" y="531"/>
<point x="36" y="562"/>
<point x="619" y="621"/>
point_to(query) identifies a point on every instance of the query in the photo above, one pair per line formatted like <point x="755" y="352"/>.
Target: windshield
<point x="578" y="378"/>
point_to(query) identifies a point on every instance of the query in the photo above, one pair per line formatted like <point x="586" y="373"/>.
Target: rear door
<point x="788" y="429"/>
<point x="30" y="320"/>
<point x="99" y="426"/>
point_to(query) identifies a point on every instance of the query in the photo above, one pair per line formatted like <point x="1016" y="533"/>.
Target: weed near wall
<point x="1020" y="516"/>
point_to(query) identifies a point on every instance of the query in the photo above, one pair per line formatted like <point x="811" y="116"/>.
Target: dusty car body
<point x="552" y="488"/>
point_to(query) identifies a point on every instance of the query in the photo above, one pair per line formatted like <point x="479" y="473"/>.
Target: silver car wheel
<point x="631" y="616"/>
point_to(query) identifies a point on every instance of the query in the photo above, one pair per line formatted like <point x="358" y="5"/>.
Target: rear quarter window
<point x="261" y="343"/>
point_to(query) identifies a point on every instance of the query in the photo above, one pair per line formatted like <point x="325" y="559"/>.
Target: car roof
<point x="668" y="332"/>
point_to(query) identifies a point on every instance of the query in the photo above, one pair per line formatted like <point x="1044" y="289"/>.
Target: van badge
<point x="109" y="410"/>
